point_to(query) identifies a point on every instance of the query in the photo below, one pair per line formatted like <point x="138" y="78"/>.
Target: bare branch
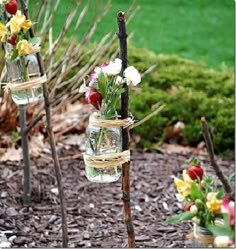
<point x="211" y="154"/>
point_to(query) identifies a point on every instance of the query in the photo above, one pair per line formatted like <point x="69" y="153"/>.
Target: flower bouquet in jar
<point x="203" y="200"/>
<point x="23" y="73"/>
<point x="104" y="156"/>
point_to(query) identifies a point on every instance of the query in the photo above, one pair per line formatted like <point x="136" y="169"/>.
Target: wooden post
<point x="122" y="35"/>
<point x="211" y="153"/>
<point x="51" y="139"/>
<point x="26" y="159"/>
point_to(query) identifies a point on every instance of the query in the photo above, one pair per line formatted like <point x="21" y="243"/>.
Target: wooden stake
<point x="26" y="158"/>
<point x="51" y="139"/>
<point x="122" y="35"/>
<point x="210" y="149"/>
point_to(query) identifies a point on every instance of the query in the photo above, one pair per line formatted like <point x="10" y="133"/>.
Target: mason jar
<point x="103" y="141"/>
<point x="203" y="237"/>
<point x="20" y="70"/>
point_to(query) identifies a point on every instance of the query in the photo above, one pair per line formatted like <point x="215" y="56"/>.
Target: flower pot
<point x="19" y="71"/>
<point x="203" y="237"/>
<point x="102" y="146"/>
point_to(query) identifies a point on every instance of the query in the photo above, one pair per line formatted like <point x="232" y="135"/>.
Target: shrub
<point x="190" y="90"/>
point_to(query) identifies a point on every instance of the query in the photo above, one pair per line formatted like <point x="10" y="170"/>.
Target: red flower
<point x="93" y="97"/>
<point x="195" y="171"/>
<point x="188" y="206"/>
<point x="11" y="7"/>
<point x="12" y="40"/>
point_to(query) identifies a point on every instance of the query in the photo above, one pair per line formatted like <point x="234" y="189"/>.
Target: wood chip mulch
<point x="95" y="215"/>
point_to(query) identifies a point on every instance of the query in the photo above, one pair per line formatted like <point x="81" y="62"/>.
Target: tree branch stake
<point x="210" y="149"/>
<point x="51" y="139"/>
<point x="122" y="35"/>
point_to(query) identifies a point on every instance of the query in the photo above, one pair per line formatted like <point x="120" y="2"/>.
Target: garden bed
<point x="95" y="217"/>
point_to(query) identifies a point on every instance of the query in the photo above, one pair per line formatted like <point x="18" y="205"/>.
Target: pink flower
<point x="104" y="64"/>
<point x="95" y="74"/>
<point x="93" y="77"/>
<point x="227" y="207"/>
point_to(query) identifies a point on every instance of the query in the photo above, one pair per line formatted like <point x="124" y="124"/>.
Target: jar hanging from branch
<point x="23" y="74"/>
<point x="104" y="156"/>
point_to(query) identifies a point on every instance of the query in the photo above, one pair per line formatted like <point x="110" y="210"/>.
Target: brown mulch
<point x="95" y="217"/>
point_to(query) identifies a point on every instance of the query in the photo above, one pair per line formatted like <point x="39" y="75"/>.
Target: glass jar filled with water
<point x="20" y="70"/>
<point x="103" y="141"/>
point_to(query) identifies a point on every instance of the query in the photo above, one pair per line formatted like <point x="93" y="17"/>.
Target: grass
<point x="202" y="30"/>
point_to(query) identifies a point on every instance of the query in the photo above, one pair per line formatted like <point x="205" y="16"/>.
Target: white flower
<point x="196" y="220"/>
<point x="113" y="68"/>
<point x="193" y="209"/>
<point x="132" y="76"/>
<point x="97" y="70"/>
<point x="119" y="80"/>
<point x="3" y="1"/>
<point x="83" y="88"/>
<point x="179" y="197"/>
<point x="222" y="241"/>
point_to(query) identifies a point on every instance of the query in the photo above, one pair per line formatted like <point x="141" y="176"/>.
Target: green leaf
<point x="35" y="40"/>
<point x="196" y="192"/>
<point x="221" y="193"/>
<point x="179" y="217"/>
<point x="14" y="54"/>
<point x="221" y="230"/>
<point x="102" y="85"/>
<point x="208" y="180"/>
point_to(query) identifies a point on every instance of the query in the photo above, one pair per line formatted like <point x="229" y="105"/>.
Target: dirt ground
<point x="95" y="217"/>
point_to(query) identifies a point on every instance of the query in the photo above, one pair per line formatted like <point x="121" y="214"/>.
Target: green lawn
<point x="202" y="30"/>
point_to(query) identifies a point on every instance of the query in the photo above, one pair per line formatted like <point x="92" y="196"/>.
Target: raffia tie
<point x="25" y="85"/>
<point x="94" y="120"/>
<point x="107" y="160"/>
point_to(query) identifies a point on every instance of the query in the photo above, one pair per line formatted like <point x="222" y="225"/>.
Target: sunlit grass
<point x="202" y="30"/>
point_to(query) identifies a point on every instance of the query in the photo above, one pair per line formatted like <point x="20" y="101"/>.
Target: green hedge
<point x="190" y="90"/>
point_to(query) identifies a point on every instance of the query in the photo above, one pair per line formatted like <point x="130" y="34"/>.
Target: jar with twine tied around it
<point x="202" y="237"/>
<point x="104" y="156"/>
<point x="24" y="78"/>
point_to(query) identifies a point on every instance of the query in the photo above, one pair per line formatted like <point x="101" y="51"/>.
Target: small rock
<point x="52" y="219"/>
<point x="142" y="238"/>
<point x="86" y="236"/>
<point x="11" y="211"/>
<point x="4" y="194"/>
<point x="88" y="244"/>
<point x="91" y="205"/>
<point x="138" y="208"/>
<point x="165" y="206"/>
<point x="47" y="150"/>
<point x="54" y="191"/>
